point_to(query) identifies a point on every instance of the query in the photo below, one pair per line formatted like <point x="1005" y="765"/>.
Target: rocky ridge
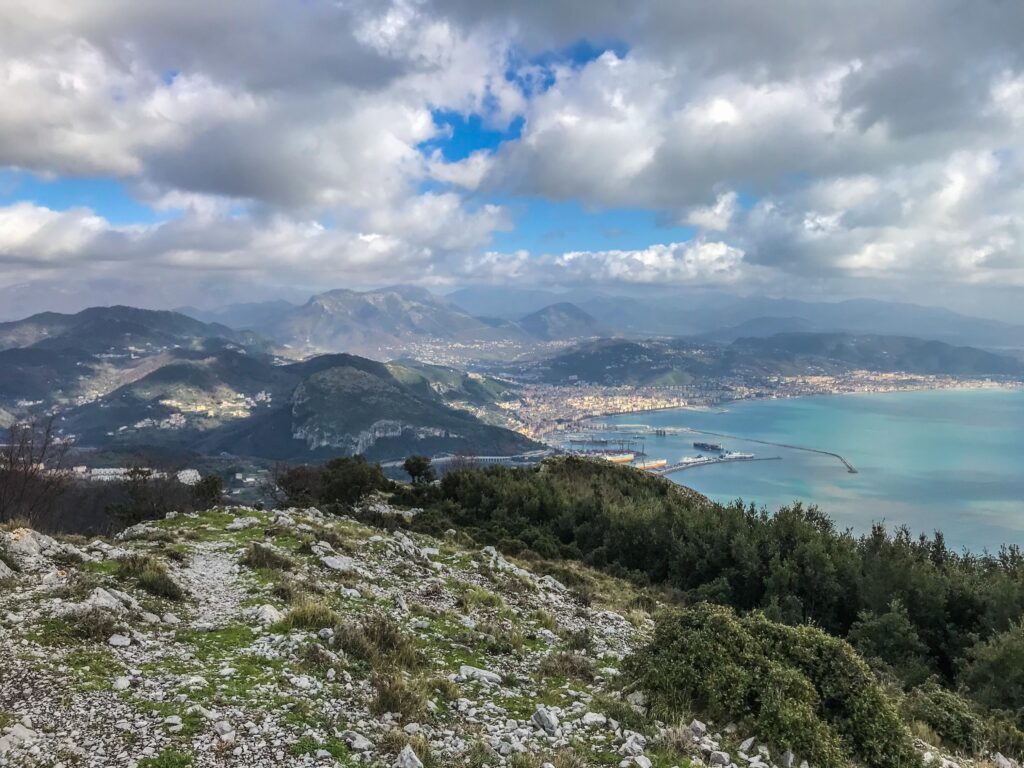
<point x="251" y="638"/>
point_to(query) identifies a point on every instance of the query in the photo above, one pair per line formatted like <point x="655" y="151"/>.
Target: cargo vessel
<point x="652" y="464"/>
<point x="619" y="458"/>
<point x="708" y="446"/>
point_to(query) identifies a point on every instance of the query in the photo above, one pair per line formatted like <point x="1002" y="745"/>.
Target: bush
<point x="208" y="492"/>
<point x="948" y="716"/>
<point x="344" y="480"/>
<point x="796" y="687"/>
<point x="93" y="624"/>
<point x="994" y="673"/>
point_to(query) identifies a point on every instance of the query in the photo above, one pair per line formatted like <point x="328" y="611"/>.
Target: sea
<point x="946" y="460"/>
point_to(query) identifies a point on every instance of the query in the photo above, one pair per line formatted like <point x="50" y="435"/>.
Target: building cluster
<point x="123" y="474"/>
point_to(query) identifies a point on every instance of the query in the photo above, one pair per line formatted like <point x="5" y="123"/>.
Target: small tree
<point x="207" y="492"/>
<point x="32" y="470"/>
<point x="420" y="470"/>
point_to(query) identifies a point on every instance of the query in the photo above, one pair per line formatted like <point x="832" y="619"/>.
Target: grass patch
<point x="309" y="614"/>
<point x="307" y="745"/>
<point x="379" y="642"/>
<point x="562" y="664"/>
<point x="150" y="574"/>
<point x="478" y="597"/>
<point x="395" y="741"/>
<point x="499" y="639"/>
<point x="262" y="557"/>
<point x="397" y="694"/>
<point x="545" y="619"/>
<point x="169" y="758"/>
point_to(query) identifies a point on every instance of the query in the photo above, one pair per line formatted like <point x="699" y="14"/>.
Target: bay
<point x="949" y="460"/>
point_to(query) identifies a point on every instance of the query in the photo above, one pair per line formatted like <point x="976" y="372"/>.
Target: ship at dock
<point x="652" y="464"/>
<point x="708" y="447"/>
<point x="619" y="458"/>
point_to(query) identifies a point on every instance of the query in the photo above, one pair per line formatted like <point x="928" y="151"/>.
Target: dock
<point x="849" y="467"/>
<point x="684" y="430"/>
<point x="680" y="466"/>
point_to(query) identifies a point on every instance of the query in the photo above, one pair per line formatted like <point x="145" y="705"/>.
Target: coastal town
<point x="546" y="412"/>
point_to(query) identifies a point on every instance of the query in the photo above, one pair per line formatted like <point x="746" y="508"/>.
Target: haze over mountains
<point x="384" y="322"/>
<point x="724" y="317"/>
<point x="290" y="382"/>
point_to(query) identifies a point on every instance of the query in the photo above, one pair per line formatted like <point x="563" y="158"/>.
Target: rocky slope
<point x="252" y="638"/>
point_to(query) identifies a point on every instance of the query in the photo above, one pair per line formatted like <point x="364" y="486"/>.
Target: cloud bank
<point x="303" y="145"/>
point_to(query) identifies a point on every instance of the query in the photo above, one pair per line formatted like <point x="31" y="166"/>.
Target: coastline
<point x="967" y="386"/>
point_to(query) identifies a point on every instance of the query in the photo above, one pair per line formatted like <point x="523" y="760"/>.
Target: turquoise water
<point x="948" y="460"/>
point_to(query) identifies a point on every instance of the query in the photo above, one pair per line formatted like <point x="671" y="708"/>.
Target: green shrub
<point x="92" y="624"/>
<point x="796" y="687"/>
<point x="994" y="673"/>
<point x="949" y="716"/>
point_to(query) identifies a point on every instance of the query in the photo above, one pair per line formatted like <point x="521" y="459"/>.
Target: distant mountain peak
<point x="562" y="320"/>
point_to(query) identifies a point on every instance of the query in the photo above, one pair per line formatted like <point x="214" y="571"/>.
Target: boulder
<point x="407" y="759"/>
<point x="545" y="719"/>
<point x="339" y="563"/>
<point x="718" y="758"/>
<point x="268" y="614"/>
<point x="241" y="523"/>
<point x="698" y="729"/>
<point x="484" y="676"/>
<point x="356" y="741"/>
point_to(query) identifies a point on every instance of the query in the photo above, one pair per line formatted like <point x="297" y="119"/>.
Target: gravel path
<point x="210" y="578"/>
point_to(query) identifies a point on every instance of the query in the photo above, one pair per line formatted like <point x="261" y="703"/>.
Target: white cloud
<point x="289" y="139"/>
<point x="715" y="218"/>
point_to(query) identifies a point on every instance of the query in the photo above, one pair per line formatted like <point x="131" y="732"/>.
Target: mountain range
<point x="387" y="322"/>
<point x="123" y="377"/>
<point x="724" y="317"/>
<point x="677" y="362"/>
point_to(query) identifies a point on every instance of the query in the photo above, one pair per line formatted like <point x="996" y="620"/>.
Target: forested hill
<point x="935" y="623"/>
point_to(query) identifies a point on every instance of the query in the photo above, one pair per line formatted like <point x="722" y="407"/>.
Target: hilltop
<point x="378" y="632"/>
<point x="249" y="638"/>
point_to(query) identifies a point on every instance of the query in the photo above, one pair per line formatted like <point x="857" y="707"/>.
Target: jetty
<point x="679" y="466"/>
<point x="662" y="431"/>
<point x="849" y="467"/>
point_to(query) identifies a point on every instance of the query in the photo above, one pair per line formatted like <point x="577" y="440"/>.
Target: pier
<point x="849" y="467"/>
<point x="684" y="430"/>
<point x="680" y="466"/>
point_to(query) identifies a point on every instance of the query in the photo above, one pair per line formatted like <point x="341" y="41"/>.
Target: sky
<point x="200" y="153"/>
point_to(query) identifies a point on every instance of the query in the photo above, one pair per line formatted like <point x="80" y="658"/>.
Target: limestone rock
<point x="407" y="759"/>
